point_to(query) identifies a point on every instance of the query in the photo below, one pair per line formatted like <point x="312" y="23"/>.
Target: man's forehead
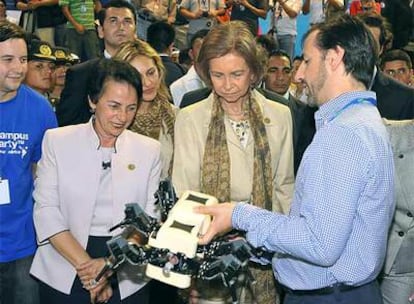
<point x="310" y="40"/>
<point x="279" y="60"/>
<point x="5" y="47"/>
<point x="118" y="12"/>
<point x="394" y="63"/>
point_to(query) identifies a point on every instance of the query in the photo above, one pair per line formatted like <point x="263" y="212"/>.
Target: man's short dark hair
<point x="280" y="53"/>
<point x="297" y="58"/>
<point x="9" y="30"/>
<point x="116" y="4"/>
<point x="198" y="35"/>
<point x="160" y="35"/>
<point x="377" y="21"/>
<point x="350" y="34"/>
<point x="267" y="42"/>
<point x="393" y="55"/>
<point x="116" y="70"/>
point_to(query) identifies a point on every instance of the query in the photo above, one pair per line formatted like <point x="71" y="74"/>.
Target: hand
<point x="101" y="296"/>
<point x="89" y="270"/>
<point x="221" y="222"/>
<point x="198" y="14"/>
<point x="32" y="5"/>
<point x="411" y="298"/>
<point x="194" y="296"/>
<point x="171" y="19"/>
<point x="79" y="28"/>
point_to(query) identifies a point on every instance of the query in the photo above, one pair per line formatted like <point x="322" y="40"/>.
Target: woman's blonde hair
<point x="129" y="50"/>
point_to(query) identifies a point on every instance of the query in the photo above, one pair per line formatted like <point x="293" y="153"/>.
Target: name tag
<point x="4" y="192"/>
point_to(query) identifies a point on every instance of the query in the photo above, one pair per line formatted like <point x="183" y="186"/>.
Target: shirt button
<point x="409" y="214"/>
<point x="401" y="233"/>
<point x="401" y="156"/>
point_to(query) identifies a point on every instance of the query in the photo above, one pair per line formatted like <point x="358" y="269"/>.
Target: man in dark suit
<point x="117" y="25"/>
<point x="161" y="37"/>
<point x="278" y="79"/>
<point x="394" y="100"/>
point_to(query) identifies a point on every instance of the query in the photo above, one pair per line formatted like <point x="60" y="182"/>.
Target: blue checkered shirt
<point x="343" y="203"/>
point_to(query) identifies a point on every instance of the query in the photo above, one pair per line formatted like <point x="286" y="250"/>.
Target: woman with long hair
<point x="156" y="115"/>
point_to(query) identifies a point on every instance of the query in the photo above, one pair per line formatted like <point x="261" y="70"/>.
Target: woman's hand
<point x="89" y="270"/>
<point x="101" y="294"/>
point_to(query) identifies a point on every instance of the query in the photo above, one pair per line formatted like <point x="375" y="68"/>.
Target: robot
<point x="170" y="250"/>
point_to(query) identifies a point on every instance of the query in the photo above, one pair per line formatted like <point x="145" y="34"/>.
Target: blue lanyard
<point x="354" y="102"/>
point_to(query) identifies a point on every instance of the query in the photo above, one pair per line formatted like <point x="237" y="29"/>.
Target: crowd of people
<point x="310" y="157"/>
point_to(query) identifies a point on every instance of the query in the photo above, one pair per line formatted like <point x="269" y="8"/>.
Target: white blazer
<point x="66" y="186"/>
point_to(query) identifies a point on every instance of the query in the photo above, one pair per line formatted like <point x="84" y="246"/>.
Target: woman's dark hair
<point x="116" y="70"/>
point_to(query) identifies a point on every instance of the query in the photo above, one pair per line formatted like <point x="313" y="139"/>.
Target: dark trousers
<point x="96" y="248"/>
<point x="366" y="294"/>
<point x="16" y="284"/>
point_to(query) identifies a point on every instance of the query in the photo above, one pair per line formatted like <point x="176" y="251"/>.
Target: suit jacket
<point x="65" y="193"/>
<point x="302" y="118"/>
<point x="394" y="100"/>
<point x="304" y="127"/>
<point x="401" y="236"/>
<point x="191" y="130"/>
<point x="73" y="107"/>
<point x="173" y="70"/>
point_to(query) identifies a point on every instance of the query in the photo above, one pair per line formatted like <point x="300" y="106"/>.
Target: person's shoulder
<point x="142" y="142"/>
<point x="88" y="65"/>
<point x="382" y="79"/>
<point x="34" y="98"/>
<point x="177" y="84"/>
<point x="272" y="103"/>
<point x="196" y="112"/>
<point x="67" y="132"/>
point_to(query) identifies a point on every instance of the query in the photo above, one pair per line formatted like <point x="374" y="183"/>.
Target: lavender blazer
<point x="65" y="193"/>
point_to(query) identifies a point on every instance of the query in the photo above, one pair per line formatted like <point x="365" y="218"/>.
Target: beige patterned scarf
<point x="216" y="179"/>
<point x="160" y="117"/>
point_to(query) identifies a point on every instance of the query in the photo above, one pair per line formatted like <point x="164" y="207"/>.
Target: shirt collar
<point x="107" y="55"/>
<point x="330" y="109"/>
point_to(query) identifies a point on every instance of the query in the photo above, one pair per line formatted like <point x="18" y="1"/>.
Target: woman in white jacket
<point x="86" y="175"/>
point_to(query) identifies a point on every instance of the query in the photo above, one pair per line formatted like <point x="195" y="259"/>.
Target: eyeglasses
<point x="393" y="73"/>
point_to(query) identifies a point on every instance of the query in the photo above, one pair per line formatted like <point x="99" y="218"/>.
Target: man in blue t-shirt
<point x="24" y="117"/>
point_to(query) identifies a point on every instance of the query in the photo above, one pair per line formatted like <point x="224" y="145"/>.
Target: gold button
<point x="266" y="120"/>
<point x="131" y="167"/>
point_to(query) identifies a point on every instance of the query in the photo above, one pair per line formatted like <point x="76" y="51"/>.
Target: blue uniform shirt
<point x="23" y="121"/>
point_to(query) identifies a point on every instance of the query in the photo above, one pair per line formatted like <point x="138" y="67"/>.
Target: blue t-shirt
<point x="23" y="122"/>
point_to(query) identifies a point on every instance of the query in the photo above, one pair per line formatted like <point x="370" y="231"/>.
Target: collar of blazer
<point x="95" y="141"/>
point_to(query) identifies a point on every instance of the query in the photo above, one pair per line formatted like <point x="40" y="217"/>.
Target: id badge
<point x="83" y="8"/>
<point x="4" y="192"/>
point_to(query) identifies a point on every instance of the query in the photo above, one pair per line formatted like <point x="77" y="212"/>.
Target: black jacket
<point x="73" y="107"/>
<point x="394" y="100"/>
